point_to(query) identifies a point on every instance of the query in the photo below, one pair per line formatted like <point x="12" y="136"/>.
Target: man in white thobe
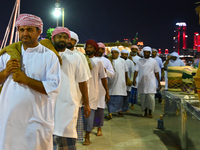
<point x="134" y="93"/>
<point x="130" y="65"/>
<point x="29" y="94"/>
<point x="68" y="102"/>
<point x="98" y="75"/>
<point x="165" y="72"/>
<point x="71" y="46"/>
<point x="117" y="85"/>
<point x="172" y="60"/>
<point x="134" y="51"/>
<point x="148" y="71"/>
<point x="161" y="72"/>
<point x="99" y="113"/>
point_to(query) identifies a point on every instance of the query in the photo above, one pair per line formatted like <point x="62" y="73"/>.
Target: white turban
<point x="147" y="48"/>
<point x="74" y="36"/>
<point x="115" y="49"/>
<point x="174" y="54"/>
<point x="155" y="50"/>
<point x="125" y="51"/>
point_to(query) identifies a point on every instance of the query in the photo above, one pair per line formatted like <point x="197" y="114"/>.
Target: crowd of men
<point x="51" y="92"/>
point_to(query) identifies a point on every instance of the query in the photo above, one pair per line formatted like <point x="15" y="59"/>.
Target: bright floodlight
<point x="57" y="12"/>
<point x="181" y="24"/>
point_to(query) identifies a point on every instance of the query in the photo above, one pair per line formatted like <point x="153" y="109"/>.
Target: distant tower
<point x="196" y="41"/>
<point x="180" y="37"/>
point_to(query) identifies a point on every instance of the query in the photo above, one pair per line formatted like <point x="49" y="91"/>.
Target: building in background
<point x="180" y="38"/>
<point x="196" y="41"/>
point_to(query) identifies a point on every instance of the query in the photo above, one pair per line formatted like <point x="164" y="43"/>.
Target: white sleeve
<point x="125" y="66"/>
<point x="86" y="65"/>
<point x="132" y="66"/>
<point x="109" y="70"/>
<point x="156" y="67"/>
<point x="81" y="73"/>
<point x="161" y="64"/>
<point x="52" y="80"/>
<point x="102" y="73"/>
<point x="136" y="68"/>
<point x="3" y="61"/>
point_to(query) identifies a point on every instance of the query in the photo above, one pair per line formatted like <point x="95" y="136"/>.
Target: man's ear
<point x="39" y="32"/>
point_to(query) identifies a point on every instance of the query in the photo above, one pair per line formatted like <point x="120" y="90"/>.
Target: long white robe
<point x="117" y="85"/>
<point x="146" y="69"/>
<point x="27" y="116"/>
<point x="97" y="73"/>
<point x="136" y="59"/>
<point x="67" y="104"/>
<point x="84" y="60"/>
<point x="108" y="66"/>
<point x="160" y="65"/>
<point x="131" y="70"/>
<point x="110" y="74"/>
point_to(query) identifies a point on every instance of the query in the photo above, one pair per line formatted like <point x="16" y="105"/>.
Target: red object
<point x="29" y="20"/>
<point x="101" y="45"/>
<point x="166" y="51"/>
<point x="59" y="30"/>
<point x="184" y="38"/>
<point x="94" y="43"/>
<point x="196" y="41"/>
<point x="159" y="51"/>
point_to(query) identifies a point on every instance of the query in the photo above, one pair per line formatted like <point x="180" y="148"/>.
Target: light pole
<point x="63" y="17"/>
<point x="57" y="13"/>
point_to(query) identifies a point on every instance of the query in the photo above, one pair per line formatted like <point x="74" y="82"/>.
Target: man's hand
<point x="169" y="57"/>
<point x="163" y="73"/>
<point x="130" y="83"/>
<point x="20" y="77"/>
<point x="134" y="82"/>
<point x="87" y="111"/>
<point x="107" y="98"/>
<point x="11" y="66"/>
<point x="159" y="86"/>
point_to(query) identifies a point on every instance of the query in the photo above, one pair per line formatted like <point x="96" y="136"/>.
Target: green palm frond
<point x="198" y="10"/>
<point x="49" y="33"/>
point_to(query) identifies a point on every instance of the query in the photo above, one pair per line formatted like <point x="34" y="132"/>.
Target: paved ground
<point x="131" y="132"/>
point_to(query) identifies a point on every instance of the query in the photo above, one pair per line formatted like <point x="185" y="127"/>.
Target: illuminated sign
<point x="140" y="43"/>
<point x="181" y="24"/>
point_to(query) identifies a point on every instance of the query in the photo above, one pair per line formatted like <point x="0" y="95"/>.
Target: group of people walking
<point x="51" y="92"/>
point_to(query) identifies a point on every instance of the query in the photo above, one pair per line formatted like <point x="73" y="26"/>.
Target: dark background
<point x="112" y="20"/>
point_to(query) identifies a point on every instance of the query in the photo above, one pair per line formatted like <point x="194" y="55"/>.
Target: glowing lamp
<point x="57" y="12"/>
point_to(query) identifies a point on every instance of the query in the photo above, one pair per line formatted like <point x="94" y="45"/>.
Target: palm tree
<point x="198" y="10"/>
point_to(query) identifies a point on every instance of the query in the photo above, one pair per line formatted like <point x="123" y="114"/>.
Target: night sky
<point x="112" y="20"/>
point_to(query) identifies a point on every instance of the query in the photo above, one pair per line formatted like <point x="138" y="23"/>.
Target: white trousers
<point x="147" y="101"/>
<point x="166" y="81"/>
